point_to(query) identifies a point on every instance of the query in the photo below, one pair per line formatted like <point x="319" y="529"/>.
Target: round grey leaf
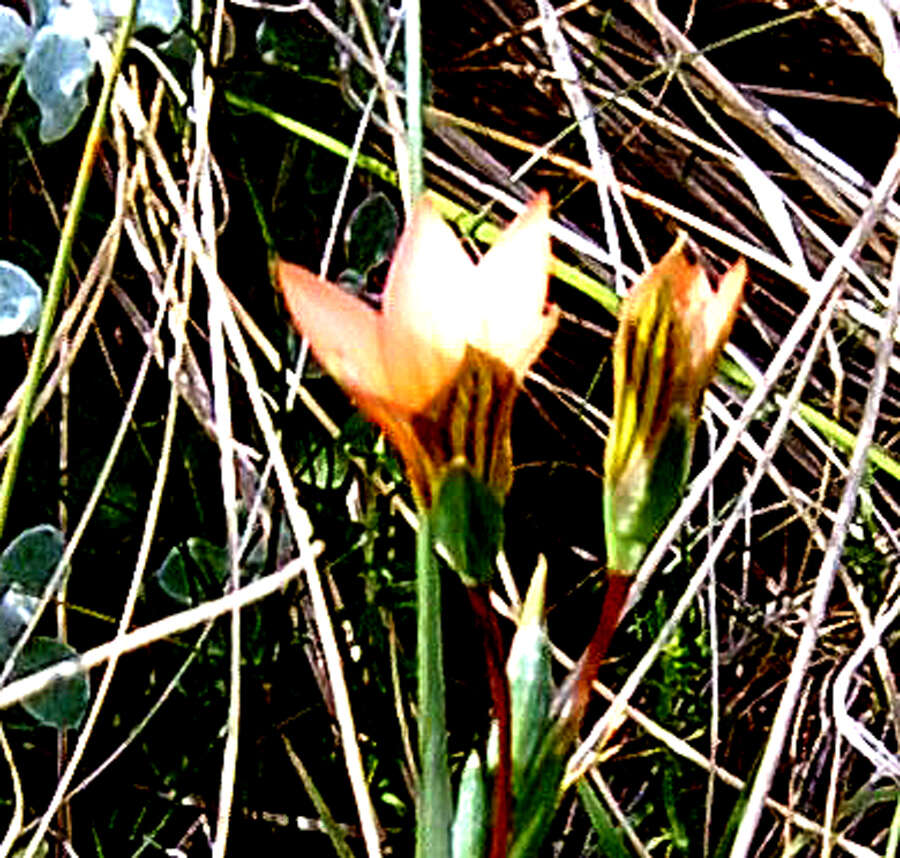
<point x="40" y="11"/>
<point x="63" y="703"/>
<point x="20" y="300"/>
<point x="31" y="558"/>
<point x="14" y="37"/>
<point x="164" y="15"/>
<point x="371" y="232"/>
<point x="57" y="69"/>
<point x="16" y="610"/>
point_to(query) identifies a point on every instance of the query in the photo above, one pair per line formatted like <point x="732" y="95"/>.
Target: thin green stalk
<point x="335" y="834"/>
<point x="844" y="438"/>
<point x="890" y="851"/>
<point x="60" y="268"/>
<point x="434" y="810"/>
<point x="11" y="95"/>
<point x="313" y="135"/>
<point x="413" y="33"/>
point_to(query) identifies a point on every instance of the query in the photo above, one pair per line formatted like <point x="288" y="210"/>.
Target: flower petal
<point x="343" y="332"/>
<point x="427" y="307"/>
<point x="706" y="317"/>
<point x="723" y="306"/>
<point x="512" y="290"/>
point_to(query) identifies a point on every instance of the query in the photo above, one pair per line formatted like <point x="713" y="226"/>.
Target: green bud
<point x="530" y="682"/>
<point x="672" y="329"/>
<point x="471" y="823"/>
<point x="539" y="745"/>
<point x="638" y="504"/>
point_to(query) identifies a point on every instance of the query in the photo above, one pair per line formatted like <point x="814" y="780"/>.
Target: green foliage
<point x="530" y="684"/>
<point x="62" y="704"/>
<point x="610" y="840"/>
<point x="865" y="555"/>
<point x="371" y="233"/>
<point x="29" y="561"/>
<point x="194" y="571"/>
<point x="287" y="94"/>
<point x="26" y="569"/>
<point x="536" y="803"/>
<point x="473" y="811"/>
<point x="467" y="521"/>
<point x="302" y="50"/>
<point x="325" y="465"/>
<point x="682" y="668"/>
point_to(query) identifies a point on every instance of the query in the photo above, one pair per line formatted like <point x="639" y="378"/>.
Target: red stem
<point x="586" y="669"/>
<point x="493" y="649"/>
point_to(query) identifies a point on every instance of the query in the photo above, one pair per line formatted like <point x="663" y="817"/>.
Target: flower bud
<point x="470" y="825"/>
<point x="672" y="329"/>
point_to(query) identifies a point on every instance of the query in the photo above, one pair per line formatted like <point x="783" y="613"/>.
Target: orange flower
<point x="438" y="367"/>
<point x="672" y="329"/>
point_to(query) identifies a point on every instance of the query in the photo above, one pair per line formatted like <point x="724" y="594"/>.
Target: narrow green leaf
<point x="470" y="825"/>
<point x="536" y="804"/>
<point x="530" y="681"/>
<point x="610" y="838"/>
<point x="334" y="832"/>
<point x="60" y="271"/>
<point x="434" y="809"/>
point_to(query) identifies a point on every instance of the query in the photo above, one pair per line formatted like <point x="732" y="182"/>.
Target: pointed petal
<point x="723" y="306"/>
<point x="342" y="330"/>
<point x="686" y="281"/>
<point x="427" y="307"/>
<point x="706" y="317"/>
<point x="512" y="289"/>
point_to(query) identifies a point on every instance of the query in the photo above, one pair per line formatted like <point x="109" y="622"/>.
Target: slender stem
<point x="493" y="649"/>
<point x="413" y="41"/>
<point x="11" y="95"/>
<point x="335" y="834"/>
<point x="890" y="851"/>
<point x="434" y="802"/>
<point x="586" y="669"/>
<point x="60" y="268"/>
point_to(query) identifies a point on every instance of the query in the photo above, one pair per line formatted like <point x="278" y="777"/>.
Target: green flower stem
<point x="314" y="136"/>
<point x="61" y="267"/>
<point x="413" y="33"/>
<point x="493" y="648"/>
<point x="844" y="438"/>
<point x="434" y="810"/>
